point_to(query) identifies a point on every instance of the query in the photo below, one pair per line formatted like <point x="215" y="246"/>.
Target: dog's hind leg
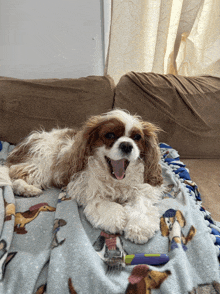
<point x="20" y="187"/>
<point x="4" y="176"/>
<point x="22" y="180"/>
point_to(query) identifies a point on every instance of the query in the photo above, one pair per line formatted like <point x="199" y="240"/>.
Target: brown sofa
<point x="186" y="108"/>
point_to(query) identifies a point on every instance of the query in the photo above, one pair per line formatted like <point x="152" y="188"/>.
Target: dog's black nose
<point x="126" y="147"/>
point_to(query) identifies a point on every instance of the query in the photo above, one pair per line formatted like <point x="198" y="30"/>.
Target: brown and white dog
<point x="111" y="167"/>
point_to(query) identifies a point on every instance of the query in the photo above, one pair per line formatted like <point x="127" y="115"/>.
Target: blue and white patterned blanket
<point x="48" y="246"/>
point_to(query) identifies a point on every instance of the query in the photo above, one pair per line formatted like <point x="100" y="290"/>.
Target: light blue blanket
<point x="48" y="246"/>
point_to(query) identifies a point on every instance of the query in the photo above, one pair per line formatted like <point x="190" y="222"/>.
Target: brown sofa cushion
<point x="27" y="105"/>
<point x="206" y="174"/>
<point x="186" y="108"/>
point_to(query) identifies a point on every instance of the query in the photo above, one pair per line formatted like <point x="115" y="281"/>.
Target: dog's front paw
<point x="108" y="216"/>
<point x="140" y="230"/>
<point x="135" y="234"/>
<point x="114" y="219"/>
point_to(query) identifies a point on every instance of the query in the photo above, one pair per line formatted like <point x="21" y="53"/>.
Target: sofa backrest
<point x="186" y="108"/>
<point x="27" y="105"/>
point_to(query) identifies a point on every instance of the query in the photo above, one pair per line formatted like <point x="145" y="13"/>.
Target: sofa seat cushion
<point x="27" y="105"/>
<point x="186" y="108"/>
<point x="206" y="174"/>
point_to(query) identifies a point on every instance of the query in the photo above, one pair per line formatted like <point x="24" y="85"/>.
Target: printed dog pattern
<point x="5" y="257"/>
<point x="193" y="187"/>
<point x="142" y="280"/>
<point x="71" y="288"/>
<point x="58" y="223"/>
<point x="171" y="224"/>
<point x="170" y="192"/>
<point x="213" y="288"/>
<point x="62" y="195"/>
<point x="42" y="289"/>
<point x="9" y="210"/>
<point x="110" y="249"/>
<point x="23" y="218"/>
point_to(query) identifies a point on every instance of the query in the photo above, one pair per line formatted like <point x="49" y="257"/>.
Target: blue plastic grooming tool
<point x="150" y="259"/>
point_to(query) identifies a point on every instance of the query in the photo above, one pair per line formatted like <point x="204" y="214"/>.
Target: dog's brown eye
<point x="110" y="135"/>
<point x="137" y="137"/>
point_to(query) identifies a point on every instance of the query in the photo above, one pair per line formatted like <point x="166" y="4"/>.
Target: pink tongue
<point x="118" y="168"/>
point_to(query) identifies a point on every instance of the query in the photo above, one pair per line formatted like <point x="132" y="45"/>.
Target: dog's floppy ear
<point x="75" y="159"/>
<point x="80" y="153"/>
<point x="180" y="218"/>
<point x="84" y="142"/>
<point x="163" y="227"/>
<point x="151" y="155"/>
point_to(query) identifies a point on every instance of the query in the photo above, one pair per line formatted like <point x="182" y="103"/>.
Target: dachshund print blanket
<point x="48" y="246"/>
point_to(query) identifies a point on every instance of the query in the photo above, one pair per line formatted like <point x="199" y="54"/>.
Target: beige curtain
<point x="164" y="36"/>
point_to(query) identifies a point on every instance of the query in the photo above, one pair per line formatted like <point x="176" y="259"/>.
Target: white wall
<point x="53" y="38"/>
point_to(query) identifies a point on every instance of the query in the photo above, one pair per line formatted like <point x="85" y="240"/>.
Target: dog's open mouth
<point x="117" y="167"/>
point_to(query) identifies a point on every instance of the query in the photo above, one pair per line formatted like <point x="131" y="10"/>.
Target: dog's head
<point x="119" y="139"/>
<point x="168" y="219"/>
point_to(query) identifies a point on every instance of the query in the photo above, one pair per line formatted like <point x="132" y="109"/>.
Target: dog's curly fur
<point x="111" y="167"/>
